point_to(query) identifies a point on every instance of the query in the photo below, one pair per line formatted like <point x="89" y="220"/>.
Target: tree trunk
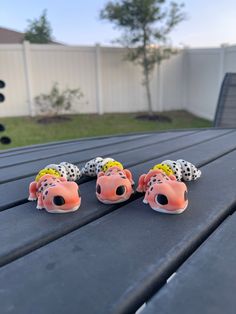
<point x="147" y="85"/>
<point x="146" y="74"/>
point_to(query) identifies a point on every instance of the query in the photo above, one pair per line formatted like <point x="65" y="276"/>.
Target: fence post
<point x="184" y="78"/>
<point x="28" y="76"/>
<point x="99" y="99"/>
<point x="222" y="63"/>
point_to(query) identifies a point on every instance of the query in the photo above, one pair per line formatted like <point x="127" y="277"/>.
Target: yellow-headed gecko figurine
<point x="114" y="183"/>
<point x="54" y="190"/>
<point x="164" y="191"/>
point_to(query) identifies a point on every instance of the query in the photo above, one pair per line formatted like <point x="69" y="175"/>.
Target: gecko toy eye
<point x="120" y="190"/>
<point x="162" y="199"/>
<point x="98" y="189"/>
<point x="59" y="200"/>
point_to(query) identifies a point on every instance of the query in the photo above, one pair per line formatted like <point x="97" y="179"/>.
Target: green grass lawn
<point x="26" y="130"/>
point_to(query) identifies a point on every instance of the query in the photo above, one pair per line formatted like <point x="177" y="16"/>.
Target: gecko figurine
<point x="54" y="190"/>
<point x="164" y="190"/>
<point x="114" y="183"/>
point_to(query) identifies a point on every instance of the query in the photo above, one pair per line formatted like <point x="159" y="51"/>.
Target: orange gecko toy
<point x="164" y="191"/>
<point x="54" y="190"/>
<point x="114" y="183"/>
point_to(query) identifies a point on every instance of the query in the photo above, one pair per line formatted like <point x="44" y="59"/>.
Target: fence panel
<point x="190" y="80"/>
<point x="203" y="79"/>
<point x="70" y="68"/>
<point x="109" y="83"/>
<point x="12" y="72"/>
<point x="121" y="83"/>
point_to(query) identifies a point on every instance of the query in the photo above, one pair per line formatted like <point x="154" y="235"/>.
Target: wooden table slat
<point x="90" y="208"/>
<point x="19" y="188"/>
<point x="206" y="282"/>
<point x="112" y="258"/>
<point x="56" y="150"/>
<point x="35" y="147"/>
<point x="31" y="168"/>
<point x="114" y="263"/>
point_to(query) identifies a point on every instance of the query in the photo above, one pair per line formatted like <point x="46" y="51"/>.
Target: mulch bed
<point x="54" y="119"/>
<point x="154" y="117"/>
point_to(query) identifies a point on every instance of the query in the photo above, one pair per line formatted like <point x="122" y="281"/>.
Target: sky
<point x="209" y="23"/>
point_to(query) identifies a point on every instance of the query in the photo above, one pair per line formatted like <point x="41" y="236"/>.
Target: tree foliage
<point x="39" y="30"/>
<point x="145" y="25"/>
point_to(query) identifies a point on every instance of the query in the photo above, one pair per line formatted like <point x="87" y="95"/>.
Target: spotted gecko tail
<point x="183" y="170"/>
<point x="91" y="166"/>
<point x="69" y="171"/>
<point x="94" y="166"/>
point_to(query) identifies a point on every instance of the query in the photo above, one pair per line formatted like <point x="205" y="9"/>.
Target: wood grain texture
<point x="63" y="149"/>
<point x="206" y="282"/>
<point x="31" y="168"/>
<point x="35" y="147"/>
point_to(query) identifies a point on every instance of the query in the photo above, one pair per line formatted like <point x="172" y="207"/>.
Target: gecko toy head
<point x="163" y="192"/>
<point x="114" y="183"/>
<point x="54" y="190"/>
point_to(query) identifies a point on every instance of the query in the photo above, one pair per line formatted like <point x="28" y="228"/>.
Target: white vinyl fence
<point x="203" y="75"/>
<point x="189" y="80"/>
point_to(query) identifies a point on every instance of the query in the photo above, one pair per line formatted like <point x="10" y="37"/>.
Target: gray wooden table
<point x="118" y="258"/>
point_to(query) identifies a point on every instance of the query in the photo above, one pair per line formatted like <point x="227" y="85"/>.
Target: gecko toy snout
<point x="55" y="190"/>
<point x="164" y="190"/>
<point x="114" y="183"/>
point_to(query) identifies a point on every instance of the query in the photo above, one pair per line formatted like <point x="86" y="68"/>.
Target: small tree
<point x="146" y="25"/>
<point x="39" y="30"/>
<point x="56" y="102"/>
